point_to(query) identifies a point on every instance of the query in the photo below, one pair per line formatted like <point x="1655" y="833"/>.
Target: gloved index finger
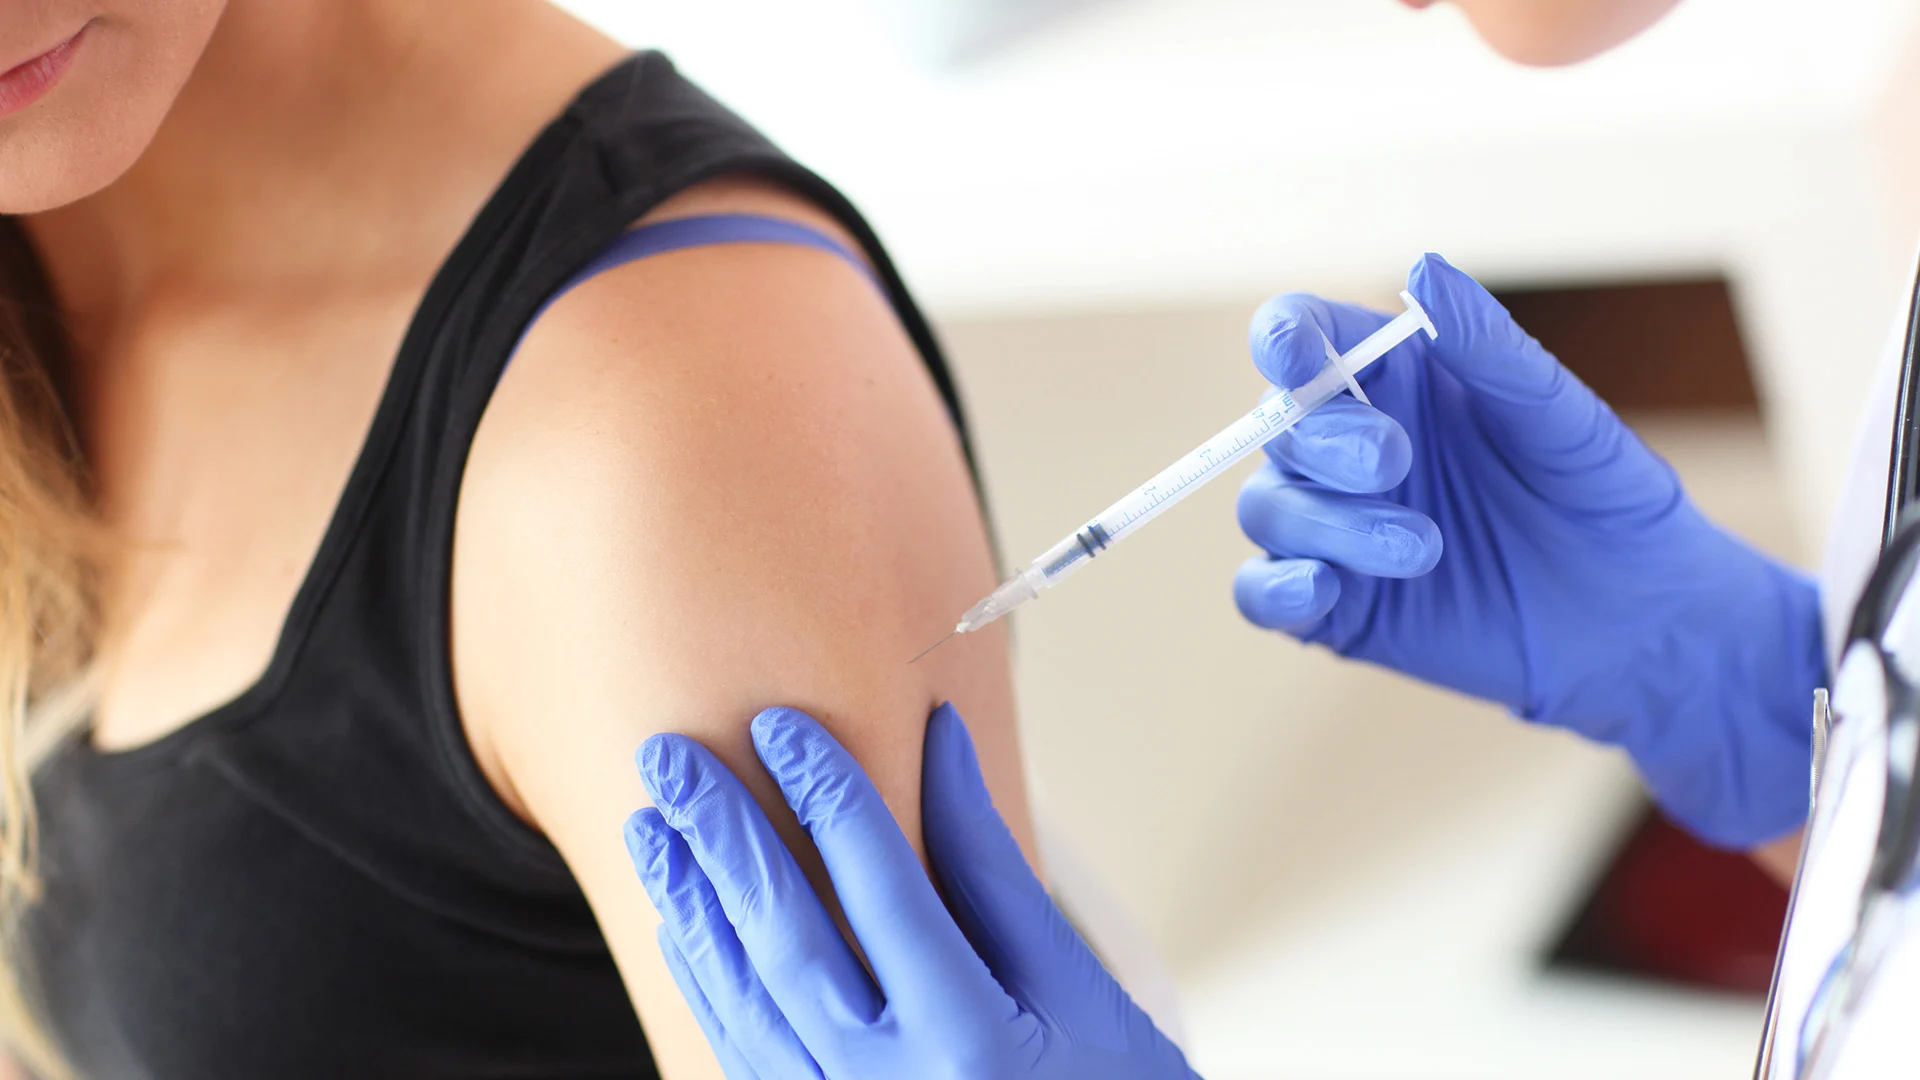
<point x="808" y="968"/>
<point x="720" y="975"/>
<point x="925" y="965"/>
<point x="1286" y="335"/>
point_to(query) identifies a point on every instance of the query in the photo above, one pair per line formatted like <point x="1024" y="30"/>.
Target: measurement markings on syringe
<point x="1153" y="495"/>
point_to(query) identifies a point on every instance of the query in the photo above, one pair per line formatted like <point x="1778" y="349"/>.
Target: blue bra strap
<point x="703" y="231"/>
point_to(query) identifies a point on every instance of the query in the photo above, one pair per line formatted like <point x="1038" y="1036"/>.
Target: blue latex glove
<point x="1000" y="989"/>
<point x="1579" y="586"/>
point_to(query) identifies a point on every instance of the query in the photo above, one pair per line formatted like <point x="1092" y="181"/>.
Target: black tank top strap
<point x="705" y="230"/>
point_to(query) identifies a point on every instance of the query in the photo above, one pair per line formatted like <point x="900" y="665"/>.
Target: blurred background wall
<point x="1350" y="876"/>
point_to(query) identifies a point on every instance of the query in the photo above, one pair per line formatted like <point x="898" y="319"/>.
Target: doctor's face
<point x="1556" y="31"/>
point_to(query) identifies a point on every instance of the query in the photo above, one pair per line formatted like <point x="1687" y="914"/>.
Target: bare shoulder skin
<point x="713" y="481"/>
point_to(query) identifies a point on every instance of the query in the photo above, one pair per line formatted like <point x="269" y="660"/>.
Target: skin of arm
<point x="713" y="481"/>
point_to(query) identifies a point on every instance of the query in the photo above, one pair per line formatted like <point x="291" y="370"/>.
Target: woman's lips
<point x="27" y="83"/>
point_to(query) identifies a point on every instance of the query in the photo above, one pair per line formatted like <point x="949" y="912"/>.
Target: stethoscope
<point x="1877" y="698"/>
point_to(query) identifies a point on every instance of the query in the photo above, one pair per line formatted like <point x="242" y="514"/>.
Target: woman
<point x="336" y="640"/>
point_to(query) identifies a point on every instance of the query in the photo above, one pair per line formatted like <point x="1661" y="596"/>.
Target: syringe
<point x="1190" y="473"/>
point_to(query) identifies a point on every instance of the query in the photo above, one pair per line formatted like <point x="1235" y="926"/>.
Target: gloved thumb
<point x="1554" y="431"/>
<point x="1027" y="943"/>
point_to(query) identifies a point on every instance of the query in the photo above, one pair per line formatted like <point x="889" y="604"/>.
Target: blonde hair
<point x="49" y="603"/>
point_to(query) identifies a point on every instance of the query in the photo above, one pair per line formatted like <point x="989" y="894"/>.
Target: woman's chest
<point x="225" y="912"/>
<point x="220" y="443"/>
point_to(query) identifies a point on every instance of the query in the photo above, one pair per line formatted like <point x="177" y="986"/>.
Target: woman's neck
<point x="317" y="139"/>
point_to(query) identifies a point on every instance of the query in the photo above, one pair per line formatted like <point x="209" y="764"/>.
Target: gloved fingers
<point x="924" y="964"/>
<point x="695" y="932"/>
<point x="732" y="1065"/>
<point x="1031" y="948"/>
<point x="1290" y="595"/>
<point x="808" y="968"/>
<point x="1361" y="533"/>
<point x="1557" y="434"/>
<point x="1347" y="445"/>
<point x="1286" y="339"/>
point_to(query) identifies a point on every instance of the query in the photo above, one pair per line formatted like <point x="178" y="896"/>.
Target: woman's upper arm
<point x="710" y="482"/>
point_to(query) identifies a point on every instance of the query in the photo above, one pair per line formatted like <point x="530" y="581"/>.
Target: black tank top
<point x="315" y="880"/>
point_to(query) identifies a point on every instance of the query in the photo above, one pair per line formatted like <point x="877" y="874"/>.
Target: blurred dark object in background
<point x="1646" y="347"/>
<point x="1669" y="908"/>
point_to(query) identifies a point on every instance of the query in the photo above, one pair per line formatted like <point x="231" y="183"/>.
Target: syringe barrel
<point x="1174" y="483"/>
<point x="1239" y="439"/>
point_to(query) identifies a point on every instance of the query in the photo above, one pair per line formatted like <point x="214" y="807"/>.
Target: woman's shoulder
<point x="678" y="422"/>
<point x="658" y="340"/>
<point x="713" y="480"/>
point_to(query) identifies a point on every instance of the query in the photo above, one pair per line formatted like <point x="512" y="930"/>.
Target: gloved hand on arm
<point x="1491" y="526"/>
<point x="992" y="984"/>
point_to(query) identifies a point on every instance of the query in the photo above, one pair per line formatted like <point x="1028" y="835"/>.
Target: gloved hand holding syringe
<point x="1190" y="473"/>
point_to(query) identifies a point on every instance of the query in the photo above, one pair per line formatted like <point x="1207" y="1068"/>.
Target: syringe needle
<point x="932" y="647"/>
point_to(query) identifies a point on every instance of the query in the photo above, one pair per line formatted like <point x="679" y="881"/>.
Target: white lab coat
<point x="1881" y="1042"/>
